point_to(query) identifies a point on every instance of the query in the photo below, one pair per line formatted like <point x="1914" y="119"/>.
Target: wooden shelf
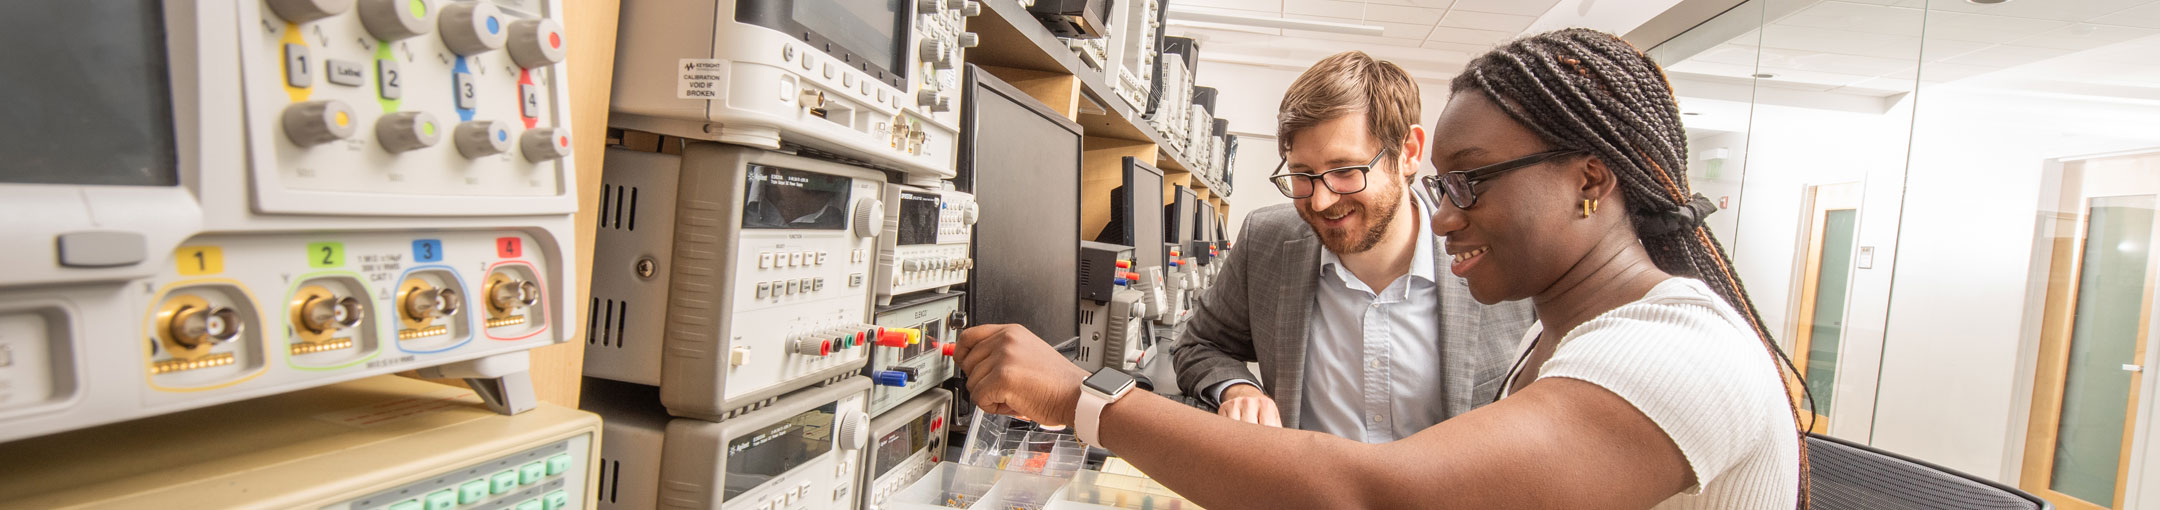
<point x="1016" y="48"/>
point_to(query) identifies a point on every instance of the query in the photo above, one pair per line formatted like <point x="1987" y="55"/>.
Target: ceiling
<point x="1431" y="39"/>
<point x="1877" y="47"/>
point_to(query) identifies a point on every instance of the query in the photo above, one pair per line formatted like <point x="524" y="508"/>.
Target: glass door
<point x="1826" y="274"/>
<point x="2093" y="334"/>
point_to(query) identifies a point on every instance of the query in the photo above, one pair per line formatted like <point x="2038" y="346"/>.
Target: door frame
<point x="2050" y="357"/>
<point x="1818" y="201"/>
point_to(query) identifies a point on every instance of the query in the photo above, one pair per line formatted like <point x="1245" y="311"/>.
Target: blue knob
<point x="1122" y="281"/>
<point x="889" y="378"/>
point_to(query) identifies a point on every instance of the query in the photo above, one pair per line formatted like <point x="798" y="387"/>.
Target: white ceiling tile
<point x="1516" y="7"/>
<point x="1388" y="29"/>
<point x="2147" y="16"/>
<point x="1293" y="36"/>
<point x="1711" y="68"/>
<point x="1433" y="4"/>
<point x="1957" y="26"/>
<point x="1486" y="21"/>
<point x="1937" y="72"/>
<point x="1471" y="50"/>
<point x="1357" y="10"/>
<point x="1470" y="36"/>
<point x="2058" y="10"/>
<point x="2085" y="36"/>
<point x="2005" y="55"/>
<point x="1273" y="6"/>
<point x="1809" y="77"/>
<point x="1854" y="17"/>
<point x="1733" y="54"/>
<point x="1773" y="58"/>
<point x="1840" y="41"/>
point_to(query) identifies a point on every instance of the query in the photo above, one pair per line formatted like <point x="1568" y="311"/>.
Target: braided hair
<point x="1589" y="91"/>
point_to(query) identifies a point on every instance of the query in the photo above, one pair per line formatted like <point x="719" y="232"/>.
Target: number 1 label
<point x="199" y="260"/>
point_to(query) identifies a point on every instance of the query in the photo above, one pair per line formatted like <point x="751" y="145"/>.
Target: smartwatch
<point x="1096" y="392"/>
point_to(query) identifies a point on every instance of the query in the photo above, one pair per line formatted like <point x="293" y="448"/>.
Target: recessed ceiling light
<point x="1689" y="113"/>
<point x="1765" y="76"/>
<point x="1988" y="2"/>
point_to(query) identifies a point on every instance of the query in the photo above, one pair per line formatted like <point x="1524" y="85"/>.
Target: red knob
<point x="1124" y="264"/>
<point x="1131" y="276"/>
<point x="947" y="348"/>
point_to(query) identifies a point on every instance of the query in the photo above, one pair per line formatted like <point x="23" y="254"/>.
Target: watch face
<point x="1108" y="381"/>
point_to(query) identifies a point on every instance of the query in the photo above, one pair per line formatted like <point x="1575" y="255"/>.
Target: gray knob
<point x="391" y="20"/>
<point x="318" y="122"/>
<point x="969" y="39"/>
<point x="544" y="144"/>
<point x="869" y="217"/>
<point x="933" y="50"/>
<point x="479" y="138"/>
<point x="536" y="43"/>
<point x="474" y="27"/>
<point x="925" y="98"/>
<point x="941" y="104"/>
<point x="404" y="131"/>
<point x="971" y="9"/>
<point x="929" y="6"/>
<point x="854" y="434"/>
<point x="303" y="11"/>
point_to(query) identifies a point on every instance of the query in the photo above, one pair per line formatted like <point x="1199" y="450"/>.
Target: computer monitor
<point x="1188" y="212"/>
<point x="1136" y="213"/>
<point x="1022" y="162"/>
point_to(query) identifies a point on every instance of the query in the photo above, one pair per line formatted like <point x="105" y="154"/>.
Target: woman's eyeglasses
<point x="1460" y="186"/>
<point x="1342" y="181"/>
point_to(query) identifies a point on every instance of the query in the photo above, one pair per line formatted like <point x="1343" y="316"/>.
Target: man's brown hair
<point x="1346" y="83"/>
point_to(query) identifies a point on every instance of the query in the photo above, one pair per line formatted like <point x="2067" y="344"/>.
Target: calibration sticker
<point x="700" y="78"/>
<point x="396" y="410"/>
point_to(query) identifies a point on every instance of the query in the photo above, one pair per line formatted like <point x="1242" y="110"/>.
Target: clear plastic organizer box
<point x="1012" y="464"/>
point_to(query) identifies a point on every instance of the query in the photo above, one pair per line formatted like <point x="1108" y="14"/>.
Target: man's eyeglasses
<point x="1460" y="186"/>
<point x="1342" y="181"/>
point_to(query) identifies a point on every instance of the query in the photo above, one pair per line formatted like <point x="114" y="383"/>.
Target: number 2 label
<point x="326" y="254"/>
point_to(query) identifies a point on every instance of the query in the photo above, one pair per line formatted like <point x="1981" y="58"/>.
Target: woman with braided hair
<point x="1649" y="382"/>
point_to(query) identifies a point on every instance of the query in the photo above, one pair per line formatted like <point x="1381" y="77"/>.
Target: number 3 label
<point x="326" y="254"/>
<point x="427" y="250"/>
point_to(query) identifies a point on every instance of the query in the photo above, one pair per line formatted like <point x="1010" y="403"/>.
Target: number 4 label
<point x="509" y="247"/>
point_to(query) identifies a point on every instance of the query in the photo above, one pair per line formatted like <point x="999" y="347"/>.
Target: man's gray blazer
<point x="1261" y="304"/>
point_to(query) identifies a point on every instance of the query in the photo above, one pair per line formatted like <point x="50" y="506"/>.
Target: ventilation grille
<point x="604" y="321"/>
<point x="618" y="207"/>
<point x="610" y="479"/>
<point x="1087" y="317"/>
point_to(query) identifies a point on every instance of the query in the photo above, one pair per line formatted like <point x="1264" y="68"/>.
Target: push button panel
<point x="550" y="477"/>
<point x="384" y="61"/>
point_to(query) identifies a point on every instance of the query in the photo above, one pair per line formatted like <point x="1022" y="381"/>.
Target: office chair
<point x="1847" y="475"/>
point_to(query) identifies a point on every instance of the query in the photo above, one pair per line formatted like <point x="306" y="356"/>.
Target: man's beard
<point x="1344" y="242"/>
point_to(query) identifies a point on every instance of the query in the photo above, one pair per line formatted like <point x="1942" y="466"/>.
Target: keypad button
<point x="558" y="464"/>
<point x="558" y="500"/>
<point x="465" y="90"/>
<point x="531" y="504"/>
<point x="763" y="288"/>
<point x="503" y="482"/>
<point x="472" y="492"/>
<point x="442" y="499"/>
<point x="410" y="504"/>
<point x="345" y="72"/>
<point x="388" y="82"/>
<point x="764" y="260"/>
<point x="532" y="472"/>
<point x="299" y="66"/>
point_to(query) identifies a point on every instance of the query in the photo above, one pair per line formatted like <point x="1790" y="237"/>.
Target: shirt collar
<point x="1422" y="264"/>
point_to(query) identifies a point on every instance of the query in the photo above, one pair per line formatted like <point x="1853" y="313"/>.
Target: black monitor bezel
<point x="776" y="15"/>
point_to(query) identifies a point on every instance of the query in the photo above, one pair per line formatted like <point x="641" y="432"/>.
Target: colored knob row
<point x="468" y="28"/>
<point x="312" y="123"/>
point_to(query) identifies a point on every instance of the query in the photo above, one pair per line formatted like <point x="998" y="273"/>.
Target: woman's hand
<point x="1011" y="371"/>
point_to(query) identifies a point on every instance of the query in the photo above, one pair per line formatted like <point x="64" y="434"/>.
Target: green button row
<point x="445" y="499"/>
<point x="500" y="483"/>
